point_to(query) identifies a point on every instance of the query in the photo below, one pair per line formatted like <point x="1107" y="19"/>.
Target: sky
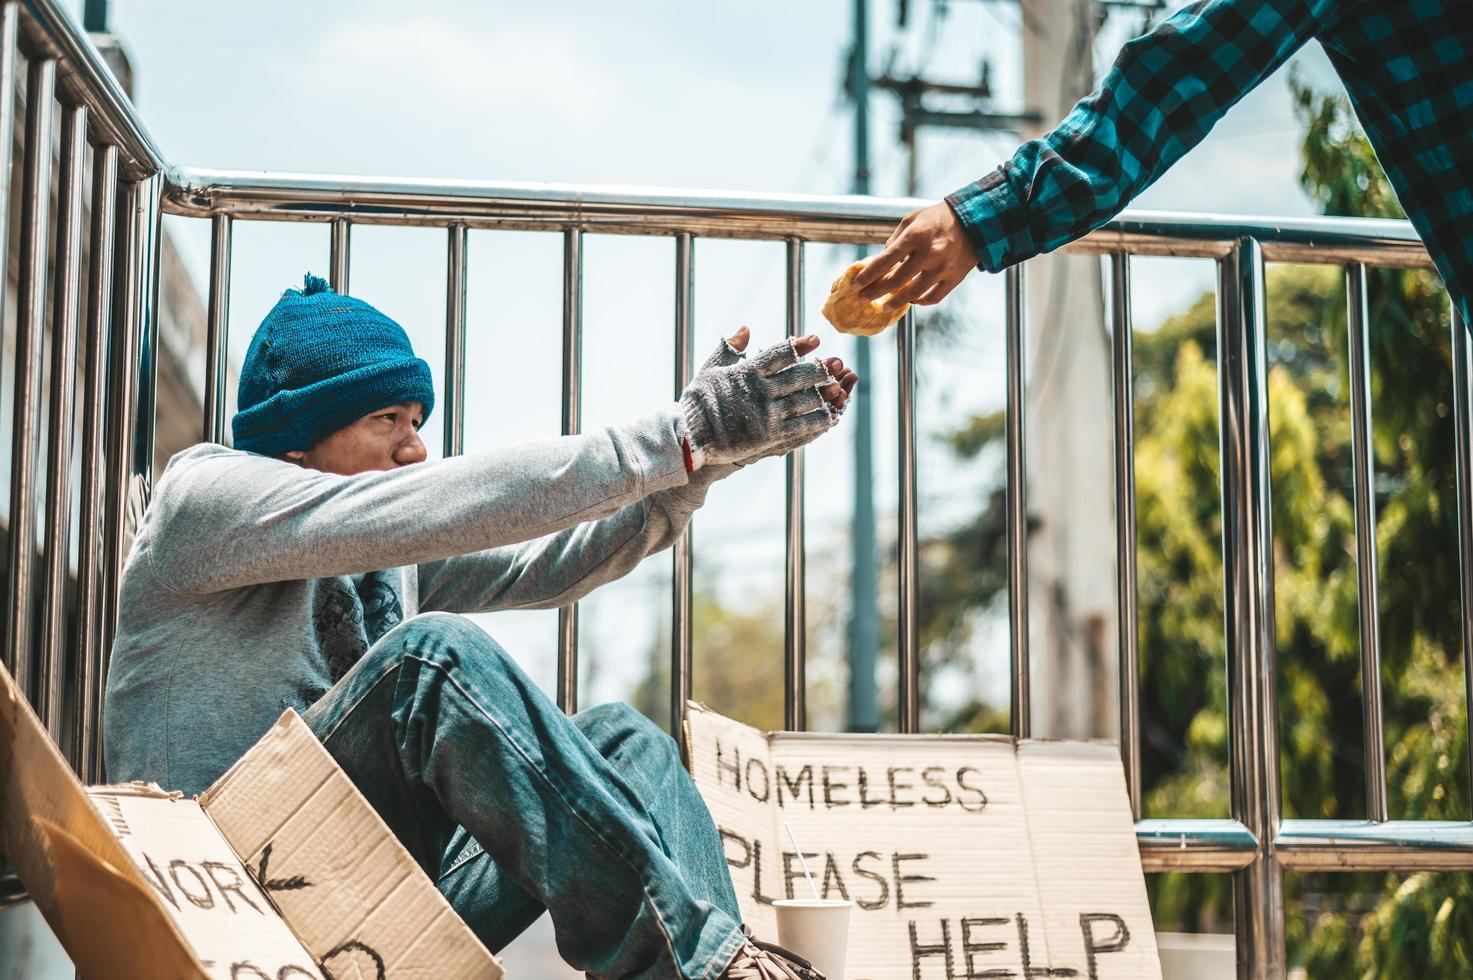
<point x="649" y="92"/>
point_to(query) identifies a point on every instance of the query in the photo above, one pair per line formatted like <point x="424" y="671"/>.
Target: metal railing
<point x="114" y="325"/>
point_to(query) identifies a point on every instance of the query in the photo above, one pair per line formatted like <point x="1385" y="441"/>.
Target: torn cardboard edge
<point x="280" y="870"/>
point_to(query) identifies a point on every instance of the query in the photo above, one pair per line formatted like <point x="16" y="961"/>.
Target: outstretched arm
<point x="561" y="568"/>
<point x="225" y="520"/>
<point x="1161" y="97"/>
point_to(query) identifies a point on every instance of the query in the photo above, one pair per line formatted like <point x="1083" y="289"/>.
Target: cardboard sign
<point x="965" y="856"/>
<point x="216" y="901"/>
<point x="353" y="895"/>
<point x="280" y="871"/>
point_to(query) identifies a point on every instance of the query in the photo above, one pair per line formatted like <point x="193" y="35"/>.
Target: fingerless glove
<point x="739" y="409"/>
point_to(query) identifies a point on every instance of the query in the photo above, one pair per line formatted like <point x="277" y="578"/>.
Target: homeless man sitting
<point x="320" y="563"/>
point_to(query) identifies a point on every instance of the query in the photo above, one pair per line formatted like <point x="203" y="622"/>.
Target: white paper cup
<point x="817" y="930"/>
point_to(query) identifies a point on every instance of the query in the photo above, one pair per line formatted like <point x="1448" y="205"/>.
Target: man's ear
<point x="296" y="456"/>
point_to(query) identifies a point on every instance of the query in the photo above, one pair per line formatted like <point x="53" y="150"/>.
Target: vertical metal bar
<point x="1125" y="533"/>
<point x="1358" y="327"/>
<point x="150" y="214"/>
<point x="864" y="619"/>
<point x="339" y="255"/>
<point x="795" y="626"/>
<point x="682" y="557"/>
<point x="130" y="390"/>
<point x="907" y="620"/>
<point x="455" y="292"/>
<point x="91" y="569"/>
<point x="567" y="616"/>
<point x="217" y="330"/>
<point x="29" y="333"/>
<point x="1021" y="712"/>
<point x="1248" y="599"/>
<point x="121" y="411"/>
<point x="1463" y="430"/>
<point x="67" y="302"/>
<point x="9" y="19"/>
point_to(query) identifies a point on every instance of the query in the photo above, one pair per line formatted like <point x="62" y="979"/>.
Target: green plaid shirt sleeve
<point x="1408" y="66"/>
<point x="1162" y="96"/>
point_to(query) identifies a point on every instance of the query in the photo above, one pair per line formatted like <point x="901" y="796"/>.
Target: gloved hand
<point x="740" y="409"/>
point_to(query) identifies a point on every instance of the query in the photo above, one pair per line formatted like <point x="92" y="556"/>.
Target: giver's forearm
<point x="1162" y="95"/>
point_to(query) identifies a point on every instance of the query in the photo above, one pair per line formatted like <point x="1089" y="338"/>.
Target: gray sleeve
<point x="561" y="568"/>
<point x="226" y="519"/>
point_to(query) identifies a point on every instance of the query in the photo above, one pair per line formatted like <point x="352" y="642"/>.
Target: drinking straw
<point x="801" y="862"/>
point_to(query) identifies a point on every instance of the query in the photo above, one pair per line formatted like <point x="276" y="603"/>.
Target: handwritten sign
<point x="965" y="856"/>
<point x="203" y="886"/>
<point x="353" y="895"/>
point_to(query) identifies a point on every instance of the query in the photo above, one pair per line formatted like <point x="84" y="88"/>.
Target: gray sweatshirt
<point x="254" y="583"/>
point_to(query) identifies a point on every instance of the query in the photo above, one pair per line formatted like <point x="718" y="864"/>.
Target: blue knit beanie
<point x="318" y="362"/>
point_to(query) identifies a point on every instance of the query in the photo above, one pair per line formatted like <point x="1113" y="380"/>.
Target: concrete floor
<point x="28" y="950"/>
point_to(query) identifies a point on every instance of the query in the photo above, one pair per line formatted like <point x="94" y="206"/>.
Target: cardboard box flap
<point x="191" y="869"/>
<point x="353" y="895"/>
<point x="963" y="855"/>
<point x="133" y="938"/>
<point x="84" y="882"/>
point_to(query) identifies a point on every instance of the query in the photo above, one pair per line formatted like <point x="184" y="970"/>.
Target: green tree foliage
<point x="737" y="662"/>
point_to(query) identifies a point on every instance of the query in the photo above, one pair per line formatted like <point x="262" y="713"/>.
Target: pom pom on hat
<point x="312" y="285"/>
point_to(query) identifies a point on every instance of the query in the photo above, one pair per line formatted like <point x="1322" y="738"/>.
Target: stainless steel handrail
<point x="838" y="219"/>
<point x="50" y="30"/>
<point x="1256" y="845"/>
<point x="29" y="337"/>
<point x="1358" y="339"/>
<point x="1020" y="711"/>
<point x="795" y="620"/>
<point x="132" y="186"/>
<point x="682" y="575"/>
<point x="567" y="624"/>
<point x="1248" y="600"/>
<point x="66" y="314"/>
<point x="91" y="562"/>
<point x="1122" y="373"/>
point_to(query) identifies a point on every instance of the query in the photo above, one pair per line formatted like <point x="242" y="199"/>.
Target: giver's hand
<point x="739" y="409"/>
<point x="927" y="256"/>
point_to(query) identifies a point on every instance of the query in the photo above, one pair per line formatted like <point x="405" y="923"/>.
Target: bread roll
<point x="851" y="313"/>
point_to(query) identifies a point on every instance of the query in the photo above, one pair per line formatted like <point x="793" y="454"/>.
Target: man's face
<point x="381" y="440"/>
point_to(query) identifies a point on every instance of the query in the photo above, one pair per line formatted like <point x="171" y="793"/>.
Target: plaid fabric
<point x="1407" y="64"/>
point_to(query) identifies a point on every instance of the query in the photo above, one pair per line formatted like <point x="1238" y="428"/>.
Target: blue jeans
<point x="512" y="807"/>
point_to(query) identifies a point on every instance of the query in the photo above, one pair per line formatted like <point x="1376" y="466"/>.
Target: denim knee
<point x="453" y="643"/>
<point x="450" y="629"/>
<point x="617" y="729"/>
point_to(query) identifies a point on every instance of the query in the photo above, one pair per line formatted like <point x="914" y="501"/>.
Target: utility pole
<point x="94" y="22"/>
<point x="94" y="16"/>
<point x="864" y="714"/>
<point x="916" y="112"/>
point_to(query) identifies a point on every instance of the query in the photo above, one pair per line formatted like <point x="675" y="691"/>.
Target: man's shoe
<point x="757" y="960"/>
